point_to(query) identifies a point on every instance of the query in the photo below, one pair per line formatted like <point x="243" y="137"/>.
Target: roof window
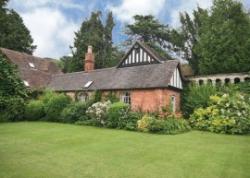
<point x="26" y="83"/>
<point x="31" y="65"/>
<point x="88" y="84"/>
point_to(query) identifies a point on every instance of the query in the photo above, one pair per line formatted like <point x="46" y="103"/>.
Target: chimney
<point x="89" y="60"/>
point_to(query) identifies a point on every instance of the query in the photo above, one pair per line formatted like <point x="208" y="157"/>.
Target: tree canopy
<point x="157" y="35"/>
<point x="93" y="32"/>
<point x="13" y="33"/>
<point x="217" y="41"/>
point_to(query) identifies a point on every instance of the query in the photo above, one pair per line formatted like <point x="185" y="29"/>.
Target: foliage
<point x="54" y="104"/>
<point x="191" y="31"/>
<point x="116" y="115"/>
<point x="10" y="83"/>
<point x="225" y="114"/>
<point x="195" y="96"/>
<point x="12" y="92"/>
<point x="11" y="108"/>
<point x="34" y="110"/>
<point x="169" y="125"/>
<point x="97" y="112"/>
<point x="74" y="112"/>
<point x="112" y="97"/>
<point x="158" y="36"/>
<point x="13" y="33"/>
<point x="93" y="32"/>
<point x="144" y="122"/>
<point x="224" y="45"/>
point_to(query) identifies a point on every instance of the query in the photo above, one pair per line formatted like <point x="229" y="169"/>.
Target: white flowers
<point x="98" y="111"/>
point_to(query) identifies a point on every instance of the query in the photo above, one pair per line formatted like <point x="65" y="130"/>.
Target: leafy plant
<point x="116" y="115"/>
<point x="34" y="110"/>
<point x="195" y="96"/>
<point x="225" y="114"/>
<point x="54" y="105"/>
<point x="97" y="112"/>
<point x="74" y="112"/>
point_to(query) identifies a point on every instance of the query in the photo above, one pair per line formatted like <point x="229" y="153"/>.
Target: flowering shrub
<point x="98" y="111"/>
<point x="144" y="122"/>
<point x="225" y="114"/>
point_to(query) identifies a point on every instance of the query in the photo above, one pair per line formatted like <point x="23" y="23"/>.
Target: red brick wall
<point x="151" y="100"/>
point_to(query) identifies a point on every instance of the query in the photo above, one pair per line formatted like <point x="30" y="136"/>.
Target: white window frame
<point x="173" y="104"/>
<point x="125" y="98"/>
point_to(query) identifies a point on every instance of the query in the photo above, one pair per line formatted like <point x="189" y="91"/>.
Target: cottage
<point x="143" y="79"/>
<point x="35" y="72"/>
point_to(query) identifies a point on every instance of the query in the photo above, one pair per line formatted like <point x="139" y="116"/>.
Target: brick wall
<point x="153" y="99"/>
<point x="146" y="100"/>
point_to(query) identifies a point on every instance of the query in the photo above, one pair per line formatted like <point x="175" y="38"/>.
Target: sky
<point x="53" y="23"/>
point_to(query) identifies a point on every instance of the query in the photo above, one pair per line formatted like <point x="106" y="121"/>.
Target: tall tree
<point x="152" y="32"/>
<point x="94" y="32"/>
<point x="224" y="44"/>
<point x="13" y="33"/>
<point x="191" y="31"/>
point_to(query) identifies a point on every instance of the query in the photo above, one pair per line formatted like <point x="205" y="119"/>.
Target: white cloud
<point x="128" y="8"/>
<point x="187" y="6"/>
<point x="51" y="30"/>
<point x="31" y="4"/>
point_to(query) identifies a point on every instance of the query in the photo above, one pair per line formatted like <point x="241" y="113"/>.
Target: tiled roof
<point x="36" y="71"/>
<point x="137" y="77"/>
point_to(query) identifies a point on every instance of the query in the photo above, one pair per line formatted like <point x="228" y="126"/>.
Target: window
<point x="82" y="96"/>
<point x="26" y="83"/>
<point x="126" y="98"/>
<point x="31" y="65"/>
<point x="172" y="104"/>
<point x="88" y="84"/>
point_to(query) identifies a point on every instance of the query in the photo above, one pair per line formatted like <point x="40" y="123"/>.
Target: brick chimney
<point x="89" y="60"/>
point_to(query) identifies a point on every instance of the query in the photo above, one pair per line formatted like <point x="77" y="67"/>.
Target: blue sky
<point x="52" y="23"/>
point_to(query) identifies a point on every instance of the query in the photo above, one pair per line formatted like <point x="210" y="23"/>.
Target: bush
<point x="195" y="96"/>
<point x="54" y="105"/>
<point x="131" y="119"/>
<point x="34" y="110"/>
<point x="98" y="111"/>
<point x="144" y="122"/>
<point x="225" y="114"/>
<point x="74" y="112"/>
<point x="116" y="115"/>
<point x="12" y="108"/>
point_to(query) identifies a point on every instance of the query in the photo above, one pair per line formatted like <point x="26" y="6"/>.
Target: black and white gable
<point x="139" y="54"/>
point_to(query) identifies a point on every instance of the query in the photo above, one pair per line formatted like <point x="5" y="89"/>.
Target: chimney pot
<point x="90" y="49"/>
<point x="89" y="63"/>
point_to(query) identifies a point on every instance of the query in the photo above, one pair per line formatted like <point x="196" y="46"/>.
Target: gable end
<point x="138" y="55"/>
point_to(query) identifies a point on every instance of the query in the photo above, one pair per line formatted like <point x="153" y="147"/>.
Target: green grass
<point x="39" y="149"/>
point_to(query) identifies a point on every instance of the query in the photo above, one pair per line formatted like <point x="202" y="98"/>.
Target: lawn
<point x="39" y="149"/>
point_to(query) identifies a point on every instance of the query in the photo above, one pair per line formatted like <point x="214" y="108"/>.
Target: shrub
<point x="54" y="105"/>
<point x="131" y="119"/>
<point x="117" y="115"/>
<point x="225" y="114"/>
<point x="174" y="126"/>
<point x="144" y="122"/>
<point x="74" y="112"/>
<point x="12" y="108"/>
<point x="195" y="96"/>
<point x="97" y="112"/>
<point x="34" y="110"/>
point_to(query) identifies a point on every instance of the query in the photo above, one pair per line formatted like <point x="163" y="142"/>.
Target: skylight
<point x="88" y="84"/>
<point x="31" y="65"/>
<point x="26" y="83"/>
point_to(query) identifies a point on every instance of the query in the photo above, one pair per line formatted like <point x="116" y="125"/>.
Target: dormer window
<point x="26" y="83"/>
<point x="31" y="65"/>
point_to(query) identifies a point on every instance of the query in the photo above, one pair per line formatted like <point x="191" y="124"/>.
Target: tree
<point x="93" y="32"/>
<point x="10" y="83"/>
<point x="191" y="31"/>
<point x="13" y="33"/>
<point x="224" y="44"/>
<point x="158" y="36"/>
